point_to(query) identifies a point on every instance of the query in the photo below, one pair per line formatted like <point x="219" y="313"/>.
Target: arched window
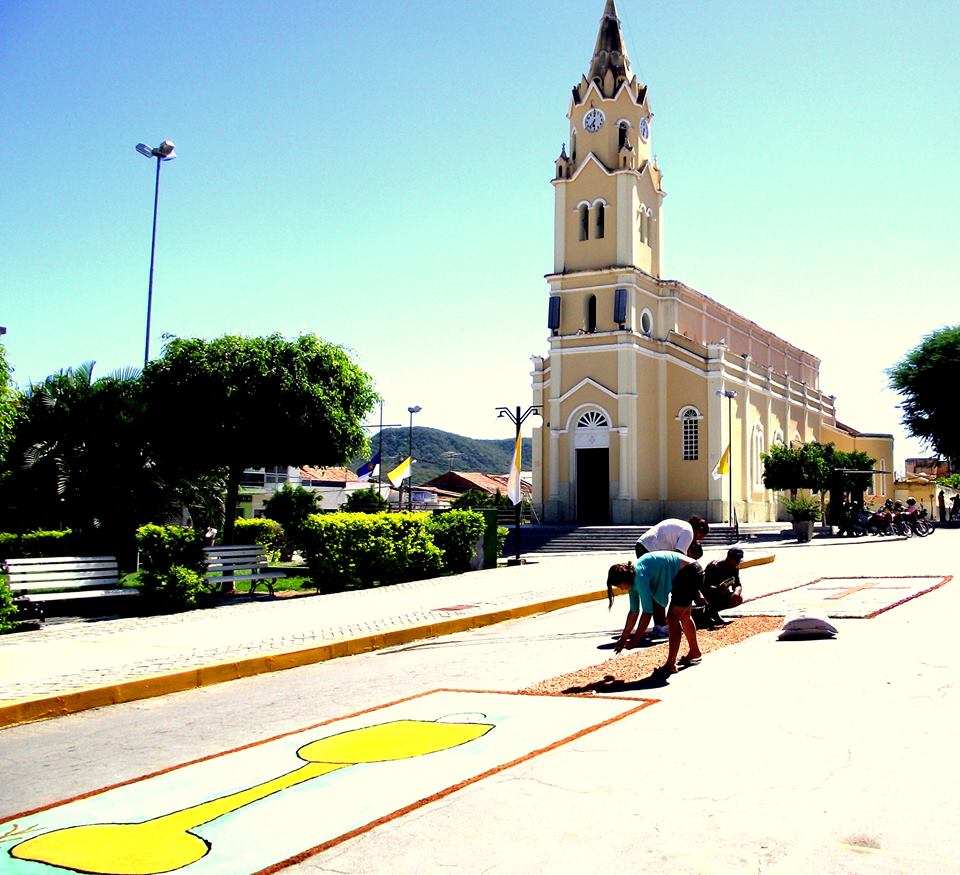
<point x="598" y="220"/>
<point x="591" y="315"/>
<point x="584" y="222"/>
<point x="622" y="135"/>
<point x="690" y="433"/>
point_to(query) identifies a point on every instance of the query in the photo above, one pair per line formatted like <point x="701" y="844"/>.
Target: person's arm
<point x="627" y="629"/>
<point x="637" y="636"/>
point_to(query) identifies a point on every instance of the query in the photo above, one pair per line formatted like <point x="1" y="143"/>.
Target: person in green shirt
<point x="661" y="577"/>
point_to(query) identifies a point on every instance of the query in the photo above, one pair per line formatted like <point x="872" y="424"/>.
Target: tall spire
<point x="610" y="65"/>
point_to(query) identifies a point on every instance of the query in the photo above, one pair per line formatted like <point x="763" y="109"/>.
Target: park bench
<point x="242" y="562"/>
<point x="33" y="581"/>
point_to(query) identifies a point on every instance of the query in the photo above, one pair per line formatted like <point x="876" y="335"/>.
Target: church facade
<point x="647" y="380"/>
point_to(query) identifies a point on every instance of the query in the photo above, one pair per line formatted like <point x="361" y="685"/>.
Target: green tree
<point x="793" y="468"/>
<point x="9" y="399"/>
<point x="364" y="501"/>
<point x="250" y="402"/>
<point x="921" y="378"/>
<point x="79" y="460"/>
<point x="290" y="506"/>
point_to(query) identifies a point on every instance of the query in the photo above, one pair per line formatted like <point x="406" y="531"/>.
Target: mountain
<point x="435" y="452"/>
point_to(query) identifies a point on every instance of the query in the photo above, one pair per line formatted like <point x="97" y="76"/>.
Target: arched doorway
<point x="592" y="448"/>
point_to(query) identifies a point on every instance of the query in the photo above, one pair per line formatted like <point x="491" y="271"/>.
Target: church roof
<point x="610" y="52"/>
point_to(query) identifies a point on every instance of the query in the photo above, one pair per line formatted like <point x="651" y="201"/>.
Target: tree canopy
<point x="8" y="404"/>
<point x="250" y="402"/>
<point x="923" y="378"/>
<point x="817" y="467"/>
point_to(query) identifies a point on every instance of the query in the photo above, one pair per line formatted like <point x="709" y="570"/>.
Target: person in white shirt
<point x="675" y="536"/>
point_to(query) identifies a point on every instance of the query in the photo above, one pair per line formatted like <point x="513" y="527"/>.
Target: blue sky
<point x="379" y="174"/>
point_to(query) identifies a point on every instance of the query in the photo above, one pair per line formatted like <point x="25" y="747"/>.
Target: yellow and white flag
<point x="513" y="481"/>
<point x="401" y="472"/>
<point x="723" y="466"/>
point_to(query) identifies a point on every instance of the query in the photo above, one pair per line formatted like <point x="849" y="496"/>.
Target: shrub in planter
<point x="265" y="532"/>
<point x="456" y="533"/>
<point x="502" y="532"/>
<point x="802" y="509"/>
<point x="175" y="589"/>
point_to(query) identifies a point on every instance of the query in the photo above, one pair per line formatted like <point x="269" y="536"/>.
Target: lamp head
<point x="165" y="151"/>
<point x="144" y="149"/>
<point x="416" y="409"/>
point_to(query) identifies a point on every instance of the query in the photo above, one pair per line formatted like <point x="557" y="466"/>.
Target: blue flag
<point x="368" y="468"/>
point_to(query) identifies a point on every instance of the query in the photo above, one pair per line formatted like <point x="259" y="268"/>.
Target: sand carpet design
<point x="841" y="597"/>
<point x="325" y="784"/>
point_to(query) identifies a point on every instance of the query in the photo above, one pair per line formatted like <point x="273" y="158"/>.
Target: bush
<point x="502" y="532"/>
<point x="7" y="609"/>
<point x="456" y="533"/>
<point x="176" y="589"/>
<point x="165" y="547"/>
<point x="365" y="501"/>
<point x="37" y="545"/>
<point x="802" y="509"/>
<point x="354" y="550"/>
<point x="265" y="532"/>
<point x="291" y="506"/>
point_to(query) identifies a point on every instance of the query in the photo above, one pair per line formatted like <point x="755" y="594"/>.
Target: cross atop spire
<point x="610" y="65"/>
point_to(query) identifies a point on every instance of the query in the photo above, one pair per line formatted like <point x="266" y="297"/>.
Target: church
<point x="647" y="381"/>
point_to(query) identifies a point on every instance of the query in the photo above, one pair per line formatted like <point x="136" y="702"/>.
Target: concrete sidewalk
<point x="64" y="668"/>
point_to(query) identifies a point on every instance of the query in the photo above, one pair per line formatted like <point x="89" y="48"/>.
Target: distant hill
<point x="435" y="452"/>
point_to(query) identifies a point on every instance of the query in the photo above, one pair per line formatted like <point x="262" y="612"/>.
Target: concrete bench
<point x="32" y="581"/>
<point x="242" y="562"/>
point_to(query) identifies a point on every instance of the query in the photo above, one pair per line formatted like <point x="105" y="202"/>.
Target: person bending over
<point x="674" y="535"/>
<point x="659" y="578"/>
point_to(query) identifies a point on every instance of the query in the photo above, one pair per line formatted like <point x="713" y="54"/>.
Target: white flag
<point x="513" y="481"/>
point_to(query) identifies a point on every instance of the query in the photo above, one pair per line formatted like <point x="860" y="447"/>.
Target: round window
<point x="646" y="322"/>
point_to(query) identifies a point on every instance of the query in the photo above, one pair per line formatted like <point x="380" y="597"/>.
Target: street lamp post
<point x="729" y="394"/>
<point x="411" y="410"/>
<point x="164" y="152"/>
<point x="517" y="418"/>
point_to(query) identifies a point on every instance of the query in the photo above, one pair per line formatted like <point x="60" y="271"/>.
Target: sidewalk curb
<point x="149" y="686"/>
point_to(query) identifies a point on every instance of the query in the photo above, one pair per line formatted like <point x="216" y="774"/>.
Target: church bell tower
<point x="607" y="184"/>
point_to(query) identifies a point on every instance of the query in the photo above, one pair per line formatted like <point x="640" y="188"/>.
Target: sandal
<point x="690" y="660"/>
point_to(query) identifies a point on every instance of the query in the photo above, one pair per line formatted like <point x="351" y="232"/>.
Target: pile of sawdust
<point x="633" y="669"/>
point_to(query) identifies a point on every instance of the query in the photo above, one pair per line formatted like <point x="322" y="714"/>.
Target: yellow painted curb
<point x="147" y="687"/>
<point x="758" y="560"/>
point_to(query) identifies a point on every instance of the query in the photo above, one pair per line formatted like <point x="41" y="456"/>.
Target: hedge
<point x="355" y="550"/>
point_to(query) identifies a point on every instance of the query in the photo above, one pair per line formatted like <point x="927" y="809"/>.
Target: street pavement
<point x="815" y="756"/>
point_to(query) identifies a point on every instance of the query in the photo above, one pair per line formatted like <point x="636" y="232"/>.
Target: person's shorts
<point x="686" y="585"/>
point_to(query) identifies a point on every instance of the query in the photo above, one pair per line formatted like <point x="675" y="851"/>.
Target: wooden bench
<point x="242" y="562"/>
<point x="77" y="577"/>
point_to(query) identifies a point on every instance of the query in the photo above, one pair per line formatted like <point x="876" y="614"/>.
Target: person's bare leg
<point x="674" y="634"/>
<point x="659" y="615"/>
<point x="690" y="632"/>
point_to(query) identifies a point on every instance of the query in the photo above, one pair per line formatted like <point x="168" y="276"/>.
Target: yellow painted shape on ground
<point x="166" y="843"/>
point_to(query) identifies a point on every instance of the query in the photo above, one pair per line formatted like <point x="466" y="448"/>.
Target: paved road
<point x="826" y="756"/>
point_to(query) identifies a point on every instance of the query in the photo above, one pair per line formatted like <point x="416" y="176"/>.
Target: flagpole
<point x="729" y="394"/>
<point x="517" y="419"/>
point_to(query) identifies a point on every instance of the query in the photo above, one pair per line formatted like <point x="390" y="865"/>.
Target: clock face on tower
<point x="644" y="130"/>
<point x="593" y="120"/>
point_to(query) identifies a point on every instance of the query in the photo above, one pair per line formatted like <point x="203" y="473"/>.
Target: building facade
<point x="647" y="380"/>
